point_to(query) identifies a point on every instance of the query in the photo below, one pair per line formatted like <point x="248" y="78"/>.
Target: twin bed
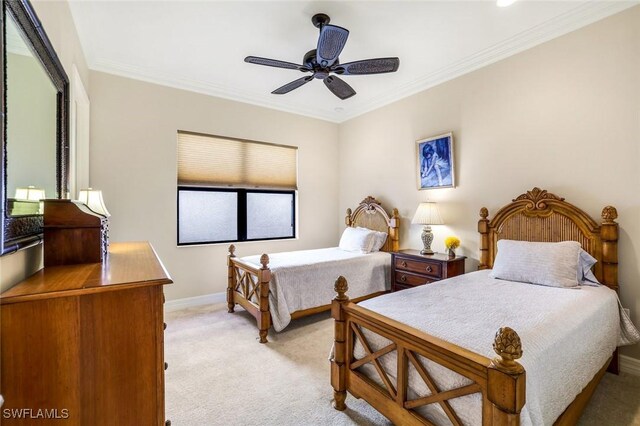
<point x="424" y="356"/>
<point x="283" y="286"/>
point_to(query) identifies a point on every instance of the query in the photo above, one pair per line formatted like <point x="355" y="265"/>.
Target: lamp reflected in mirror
<point x="30" y="193"/>
<point x="27" y="201"/>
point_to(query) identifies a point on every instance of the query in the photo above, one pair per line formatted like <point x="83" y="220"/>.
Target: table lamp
<point x="93" y="199"/>
<point x="427" y="214"/>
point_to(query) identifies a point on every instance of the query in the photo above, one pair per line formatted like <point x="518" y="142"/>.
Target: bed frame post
<point x="394" y="228"/>
<point x="505" y="381"/>
<point x="338" y="363"/>
<point x="264" y="319"/>
<point x="347" y="219"/>
<point x="483" y="229"/>
<point x="609" y="237"/>
<point x="230" y="279"/>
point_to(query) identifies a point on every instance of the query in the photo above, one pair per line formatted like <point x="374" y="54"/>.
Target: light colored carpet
<point x="220" y="375"/>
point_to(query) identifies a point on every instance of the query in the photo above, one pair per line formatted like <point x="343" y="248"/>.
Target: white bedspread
<point x="567" y="335"/>
<point x="305" y="279"/>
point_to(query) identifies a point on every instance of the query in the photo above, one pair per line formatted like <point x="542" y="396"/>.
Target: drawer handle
<point x="167" y="423"/>
<point x="403" y="264"/>
<point x="403" y="278"/>
<point x="166" y="365"/>
<point x="429" y="269"/>
<point x="164" y="325"/>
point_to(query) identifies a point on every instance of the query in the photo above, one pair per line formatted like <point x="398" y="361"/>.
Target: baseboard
<point x="629" y="365"/>
<point x="188" y="302"/>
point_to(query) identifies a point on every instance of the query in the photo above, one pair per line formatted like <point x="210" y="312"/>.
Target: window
<point x="234" y="190"/>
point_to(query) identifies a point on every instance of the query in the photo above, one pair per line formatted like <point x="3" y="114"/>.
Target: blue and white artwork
<point x="435" y="162"/>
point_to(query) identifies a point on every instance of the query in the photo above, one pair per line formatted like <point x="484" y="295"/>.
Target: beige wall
<point x="133" y="161"/>
<point x="58" y="24"/>
<point x="564" y="116"/>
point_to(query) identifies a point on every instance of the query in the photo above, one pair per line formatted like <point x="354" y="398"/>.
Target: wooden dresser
<point x="85" y="342"/>
<point x="409" y="268"/>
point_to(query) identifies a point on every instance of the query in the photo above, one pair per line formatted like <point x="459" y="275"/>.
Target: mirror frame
<point x="24" y="231"/>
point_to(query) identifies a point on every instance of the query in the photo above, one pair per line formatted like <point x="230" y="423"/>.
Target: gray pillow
<point x="379" y="239"/>
<point x="550" y="264"/>
<point x="584" y="269"/>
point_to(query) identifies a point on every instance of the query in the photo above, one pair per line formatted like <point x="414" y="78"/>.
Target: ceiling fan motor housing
<point x="320" y="19"/>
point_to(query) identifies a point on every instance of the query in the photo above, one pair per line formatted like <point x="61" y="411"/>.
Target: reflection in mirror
<point x="31" y="127"/>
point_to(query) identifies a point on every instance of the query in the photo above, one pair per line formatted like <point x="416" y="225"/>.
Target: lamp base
<point x="427" y="239"/>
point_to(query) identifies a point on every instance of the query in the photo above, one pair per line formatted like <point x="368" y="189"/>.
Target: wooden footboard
<point x="500" y="381"/>
<point x="248" y="287"/>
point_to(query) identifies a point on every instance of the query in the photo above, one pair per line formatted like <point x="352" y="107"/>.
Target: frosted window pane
<point x="269" y="215"/>
<point x="207" y="216"/>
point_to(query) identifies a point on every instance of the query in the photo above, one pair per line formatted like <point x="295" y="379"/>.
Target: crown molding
<point x="206" y="88"/>
<point x="15" y="42"/>
<point x="585" y="14"/>
<point x="572" y="20"/>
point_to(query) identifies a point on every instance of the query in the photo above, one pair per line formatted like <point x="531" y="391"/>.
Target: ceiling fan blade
<point x="275" y="63"/>
<point x="330" y="44"/>
<point x="368" y="66"/>
<point x="338" y="87"/>
<point x="292" y="85"/>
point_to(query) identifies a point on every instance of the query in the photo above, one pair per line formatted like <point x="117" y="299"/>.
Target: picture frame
<point x="435" y="162"/>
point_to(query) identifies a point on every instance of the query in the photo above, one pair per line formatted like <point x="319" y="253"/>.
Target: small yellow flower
<point x="452" y="242"/>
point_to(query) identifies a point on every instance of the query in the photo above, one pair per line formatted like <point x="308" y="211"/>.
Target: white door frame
<point x="79" y="135"/>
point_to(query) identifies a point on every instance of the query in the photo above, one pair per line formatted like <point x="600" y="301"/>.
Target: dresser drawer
<point x="433" y="269"/>
<point x="408" y="279"/>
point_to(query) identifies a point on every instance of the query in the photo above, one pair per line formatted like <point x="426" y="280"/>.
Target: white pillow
<point x="379" y="239"/>
<point x="357" y="239"/>
<point x="550" y="264"/>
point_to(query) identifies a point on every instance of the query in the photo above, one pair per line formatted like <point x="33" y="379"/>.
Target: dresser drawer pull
<point x="429" y="269"/>
<point x="403" y="264"/>
<point x="403" y="278"/>
<point x="164" y="325"/>
<point x="166" y="365"/>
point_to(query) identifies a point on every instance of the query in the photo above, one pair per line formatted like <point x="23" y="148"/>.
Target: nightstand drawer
<point x="410" y="268"/>
<point x="433" y="269"/>
<point x="408" y="279"/>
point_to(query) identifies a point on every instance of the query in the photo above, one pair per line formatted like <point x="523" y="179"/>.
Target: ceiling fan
<point x="323" y="61"/>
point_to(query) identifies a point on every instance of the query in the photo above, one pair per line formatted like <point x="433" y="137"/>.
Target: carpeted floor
<point x="220" y="375"/>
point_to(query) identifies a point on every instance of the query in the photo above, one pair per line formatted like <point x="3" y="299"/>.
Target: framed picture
<point x="435" y="162"/>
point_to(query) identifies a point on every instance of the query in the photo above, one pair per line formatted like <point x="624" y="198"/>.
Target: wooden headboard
<point x="370" y="214"/>
<point x="541" y="216"/>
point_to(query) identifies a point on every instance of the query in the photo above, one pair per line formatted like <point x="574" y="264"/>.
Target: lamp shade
<point x="93" y="199"/>
<point x="427" y="214"/>
<point x="30" y="193"/>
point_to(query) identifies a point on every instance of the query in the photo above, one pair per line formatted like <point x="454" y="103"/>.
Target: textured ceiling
<point x="200" y="46"/>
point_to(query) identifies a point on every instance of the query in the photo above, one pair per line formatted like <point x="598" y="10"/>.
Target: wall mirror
<point x="35" y="148"/>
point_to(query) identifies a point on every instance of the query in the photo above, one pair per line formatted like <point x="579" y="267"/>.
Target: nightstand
<point x="409" y="268"/>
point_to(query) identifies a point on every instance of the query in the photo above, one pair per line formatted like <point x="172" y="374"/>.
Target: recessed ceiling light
<point x="505" y="3"/>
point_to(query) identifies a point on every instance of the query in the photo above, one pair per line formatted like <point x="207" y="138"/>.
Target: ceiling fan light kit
<point x="323" y="62"/>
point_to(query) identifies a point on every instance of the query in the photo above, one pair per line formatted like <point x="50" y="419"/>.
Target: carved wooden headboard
<point x="370" y="214"/>
<point x="539" y="215"/>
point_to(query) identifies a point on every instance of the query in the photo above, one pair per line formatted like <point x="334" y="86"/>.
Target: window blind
<point x="205" y="160"/>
